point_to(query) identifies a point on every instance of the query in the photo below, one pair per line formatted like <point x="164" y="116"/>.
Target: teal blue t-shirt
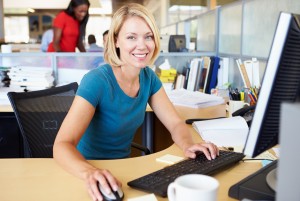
<point x="117" y="117"/>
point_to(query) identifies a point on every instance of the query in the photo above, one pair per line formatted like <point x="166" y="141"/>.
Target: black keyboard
<point x="157" y="182"/>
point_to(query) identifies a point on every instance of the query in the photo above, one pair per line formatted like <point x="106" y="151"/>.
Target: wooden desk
<point x="43" y="179"/>
<point x="6" y="108"/>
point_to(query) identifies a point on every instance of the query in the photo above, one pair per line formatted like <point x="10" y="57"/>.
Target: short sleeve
<point x="59" y="20"/>
<point x="91" y="88"/>
<point x="155" y="81"/>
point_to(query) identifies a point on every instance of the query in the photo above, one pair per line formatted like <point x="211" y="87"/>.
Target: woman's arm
<point x="165" y="111"/>
<point x="66" y="154"/>
<point x="56" y="39"/>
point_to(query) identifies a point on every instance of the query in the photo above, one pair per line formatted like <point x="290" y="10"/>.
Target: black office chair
<point x="39" y="115"/>
<point x="141" y="148"/>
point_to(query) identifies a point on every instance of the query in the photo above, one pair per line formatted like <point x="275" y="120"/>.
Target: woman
<point x="111" y="101"/>
<point x="69" y="27"/>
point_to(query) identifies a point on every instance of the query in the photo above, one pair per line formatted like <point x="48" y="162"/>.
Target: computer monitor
<point x="177" y="43"/>
<point x="281" y="83"/>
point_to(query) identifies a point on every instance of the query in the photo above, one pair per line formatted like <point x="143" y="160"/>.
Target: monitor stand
<point x="255" y="186"/>
<point x="272" y="179"/>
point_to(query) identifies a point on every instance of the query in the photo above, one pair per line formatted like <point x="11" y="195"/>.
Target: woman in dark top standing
<point x="69" y="27"/>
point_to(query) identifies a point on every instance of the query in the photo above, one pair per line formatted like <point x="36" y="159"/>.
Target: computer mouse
<point x="114" y="196"/>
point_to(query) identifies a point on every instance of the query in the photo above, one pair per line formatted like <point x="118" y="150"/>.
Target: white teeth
<point x="140" y="55"/>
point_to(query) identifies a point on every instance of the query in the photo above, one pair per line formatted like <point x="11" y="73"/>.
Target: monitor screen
<point x="177" y="43"/>
<point x="281" y="83"/>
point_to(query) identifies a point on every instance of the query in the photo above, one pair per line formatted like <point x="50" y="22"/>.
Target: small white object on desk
<point x="150" y="197"/>
<point x="169" y="159"/>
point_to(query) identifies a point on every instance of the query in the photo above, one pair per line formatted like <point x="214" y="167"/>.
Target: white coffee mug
<point x="193" y="187"/>
<point x="235" y="105"/>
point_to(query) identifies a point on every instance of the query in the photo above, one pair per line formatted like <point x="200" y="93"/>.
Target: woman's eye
<point x="131" y="37"/>
<point x="149" y="37"/>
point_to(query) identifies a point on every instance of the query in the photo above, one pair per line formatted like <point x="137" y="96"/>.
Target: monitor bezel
<point x="268" y="83"/>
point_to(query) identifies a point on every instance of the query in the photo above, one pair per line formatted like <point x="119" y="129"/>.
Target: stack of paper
<point x="193" y="99"/>
<point x="231" y="131"/>
<point x="32" y="78"/>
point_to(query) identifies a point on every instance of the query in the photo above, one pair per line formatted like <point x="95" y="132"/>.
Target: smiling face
<point x="135" y="42"/>
<point x="81" y="11"/>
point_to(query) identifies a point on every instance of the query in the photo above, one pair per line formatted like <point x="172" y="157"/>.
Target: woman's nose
<point x="141" y="43"/>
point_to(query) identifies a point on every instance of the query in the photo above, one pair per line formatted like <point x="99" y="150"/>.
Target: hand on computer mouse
<point x="113" y="196"/>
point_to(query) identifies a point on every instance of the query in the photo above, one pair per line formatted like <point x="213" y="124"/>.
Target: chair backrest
<point x="39" y="115"/>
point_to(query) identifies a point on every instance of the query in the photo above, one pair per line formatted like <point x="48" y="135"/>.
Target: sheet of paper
<point x="169" y="159"/>
<point x="234" y="137"/>
<point x="150" y="197"/>
<point x="231" y="131"/>
<point x="230" y="123"/>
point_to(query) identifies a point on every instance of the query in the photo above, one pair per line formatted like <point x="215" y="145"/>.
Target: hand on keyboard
<point x="157" y="182"/>
<point x="210" y="150"/>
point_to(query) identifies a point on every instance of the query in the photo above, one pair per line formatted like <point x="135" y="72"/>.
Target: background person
<point x="95" y="127"/>
<point x="104" y="37"/>
<point x="69" y="27"/>
<point x="46" y="39"/>
<point x="93" y="47"/>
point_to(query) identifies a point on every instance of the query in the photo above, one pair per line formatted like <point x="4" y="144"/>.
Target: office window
<point x="102" y="24"/>
<point x="170" y="30"/>
<point x="206" y="32"/>
<point x="260" y="23"/>
<point x="183" y="12"/>
<point x="16" y="29"/>
<point x="230" y="29"/>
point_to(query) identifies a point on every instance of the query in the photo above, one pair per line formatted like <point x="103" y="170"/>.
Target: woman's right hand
<point x="103" y="177"/>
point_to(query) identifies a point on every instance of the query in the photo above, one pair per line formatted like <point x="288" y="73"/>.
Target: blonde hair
<point x="111" y="53"/>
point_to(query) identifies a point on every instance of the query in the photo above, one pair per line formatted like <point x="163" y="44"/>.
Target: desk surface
<point x="43" y="179"/>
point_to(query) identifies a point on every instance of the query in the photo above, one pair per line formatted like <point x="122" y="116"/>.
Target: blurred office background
<point x="24" y="21"/>
<point x="209" y="25"/>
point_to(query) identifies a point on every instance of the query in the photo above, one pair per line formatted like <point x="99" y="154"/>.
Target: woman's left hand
<point x="209" y="149"/>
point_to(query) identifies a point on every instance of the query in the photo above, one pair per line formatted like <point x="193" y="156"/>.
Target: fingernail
<point x="115" y="188"/>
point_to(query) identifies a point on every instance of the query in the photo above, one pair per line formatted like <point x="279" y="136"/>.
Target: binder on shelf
<point x="209" y="76"/>
<point x="204" y="73"/>
<point x="249" y="70"/>
<point x="252" y="69"/>
<point x="179" y="82"/>
<point x="256" y="74"/>
<point x="243" y="73"/>
<point x="223" y="72"/>
<point x="186" y="73"/>
<point x="214" y="74"/>
<point x="194" y="72"/>
<point x="199" y="78"/>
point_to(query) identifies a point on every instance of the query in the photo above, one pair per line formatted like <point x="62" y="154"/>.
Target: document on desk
<point x="231" y="131"/>
<point x="194" y="99"/>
